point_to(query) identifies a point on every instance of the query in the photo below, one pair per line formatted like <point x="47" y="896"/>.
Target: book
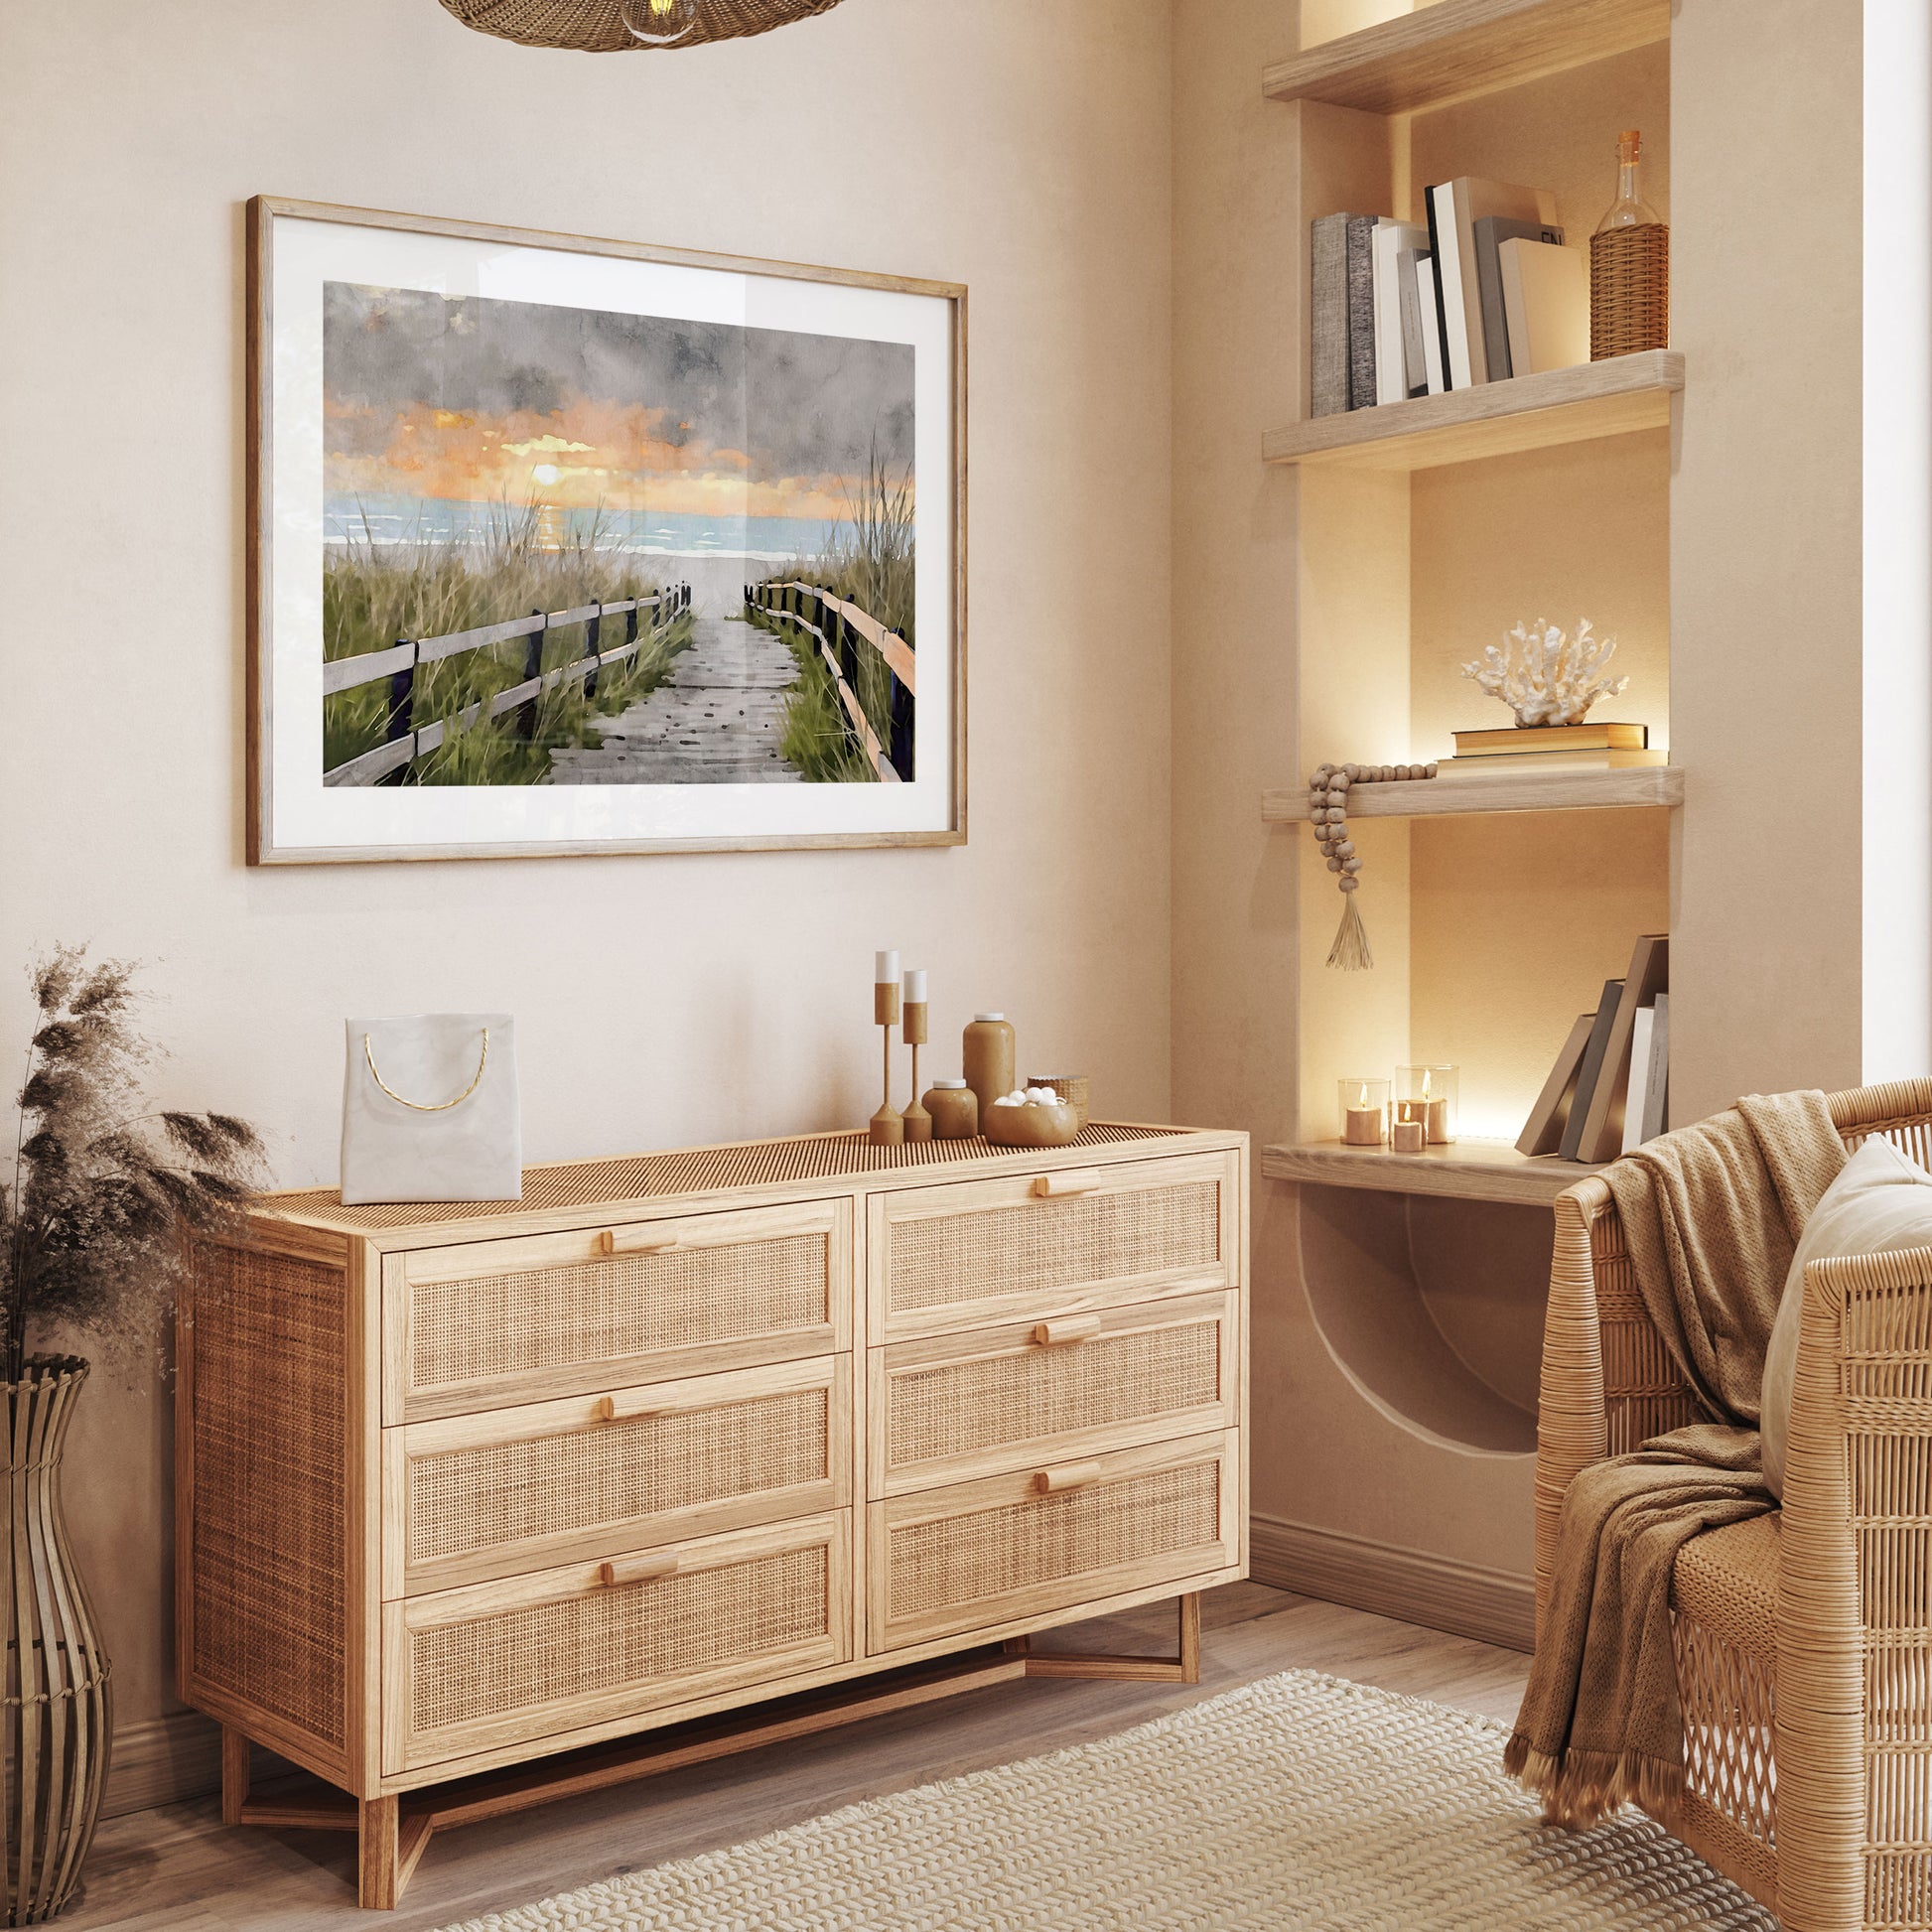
<point x="1649" y="975"/>
<point x="1604" y="737"/>
<point x="1492" y="232"/>
<point x="1589" y="1073"/>
<point x="1455" y="207"/>
<point x="1484" y="762"/>
<point x="1431" y="332"/>
<point x="1361" y="312"/>
<point x="1328" y="316"/>
<point x="1636" y="1098"/>
<point x="1414" y="370"/>
<point x="1546" y="305"/>
<point x="1439" y="204"/>
<point x="1543" y="1131"/>
<point x="1386" y="247"/>
<point x="1656" y="1096"/>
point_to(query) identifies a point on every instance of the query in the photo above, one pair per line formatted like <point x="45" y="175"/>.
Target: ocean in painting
<point x="384" y="522"/>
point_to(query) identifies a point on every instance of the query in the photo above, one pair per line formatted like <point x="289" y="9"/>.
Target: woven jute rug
<point x="1300" y="1801"/>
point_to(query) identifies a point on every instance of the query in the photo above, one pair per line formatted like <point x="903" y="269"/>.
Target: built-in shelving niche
<point x="1433" y="1309"/>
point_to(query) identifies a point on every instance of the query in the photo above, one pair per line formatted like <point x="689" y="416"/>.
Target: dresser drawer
<point x="951" y="1408"/>
<point x="942" y="1258"/>
<point x="540" y="1657"/>
<point x="515" y="1489"/>
<point x="493" y="1322"/>
<point x="981" y="1554"/>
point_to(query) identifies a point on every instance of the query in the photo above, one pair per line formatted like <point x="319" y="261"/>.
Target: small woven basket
<point x="597" y="27"/>
<point x="1629" y="290"/>
<point x="1072" y="1087"/>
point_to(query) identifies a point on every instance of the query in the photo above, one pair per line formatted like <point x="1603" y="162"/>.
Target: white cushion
<point x="1880" y="1200"/>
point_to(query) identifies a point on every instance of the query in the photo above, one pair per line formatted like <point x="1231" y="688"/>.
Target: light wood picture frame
<point x="566" y="545"/>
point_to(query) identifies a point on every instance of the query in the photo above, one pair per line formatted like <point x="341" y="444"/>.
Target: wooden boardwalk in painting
<point x="715" y="719"/>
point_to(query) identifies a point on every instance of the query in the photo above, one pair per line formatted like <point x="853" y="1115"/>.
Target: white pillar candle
<point x="916" y="986"/>
<point x="885" y="969"/>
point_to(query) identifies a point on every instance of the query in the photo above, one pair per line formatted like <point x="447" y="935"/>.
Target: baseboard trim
<point x="162" y="1762"/>
<point x="1464" y="1599"/>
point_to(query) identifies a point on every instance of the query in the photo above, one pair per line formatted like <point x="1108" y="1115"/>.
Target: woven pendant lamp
<point x="613" y="26"/>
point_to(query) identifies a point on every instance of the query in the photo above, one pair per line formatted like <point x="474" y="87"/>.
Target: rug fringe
<point x="1581" y="1788"/>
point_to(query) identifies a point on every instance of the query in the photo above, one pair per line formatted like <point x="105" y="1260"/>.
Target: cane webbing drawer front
<point x="947" y="1258"/>
<point x="485" y="1323"/>
<point x="542" y="1656"/>
<point x="977" y="1555"/>
<point x="951" y="1408"/>
<point x="516" y="1489"/>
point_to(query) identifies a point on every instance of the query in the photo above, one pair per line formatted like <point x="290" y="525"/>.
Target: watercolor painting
<point x="562" y="545"/>
<point x="582" y="525"/>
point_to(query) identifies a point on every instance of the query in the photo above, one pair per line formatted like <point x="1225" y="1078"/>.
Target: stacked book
<point x="1552" y="748"/>
<point x="1607" y="1091"/>
<point x="1483" y="291"/>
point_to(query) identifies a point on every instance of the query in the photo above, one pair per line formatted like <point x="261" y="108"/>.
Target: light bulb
<point x="659" y="23"/>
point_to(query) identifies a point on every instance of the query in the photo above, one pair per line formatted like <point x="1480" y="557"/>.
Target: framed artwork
<point x="562" y="545"/>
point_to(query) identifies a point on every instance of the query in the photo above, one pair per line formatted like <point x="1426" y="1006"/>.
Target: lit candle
<point x="1364" y="1127"/>
<point x="1406" y="1136"/>
<point x="1435" y="1114"/>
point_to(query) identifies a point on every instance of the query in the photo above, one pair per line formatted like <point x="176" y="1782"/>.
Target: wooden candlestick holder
<point x="886" y="1128"/>
<point x="918" y="1122"/>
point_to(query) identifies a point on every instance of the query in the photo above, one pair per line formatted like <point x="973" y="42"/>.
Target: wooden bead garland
<point x="1328" y="790"/>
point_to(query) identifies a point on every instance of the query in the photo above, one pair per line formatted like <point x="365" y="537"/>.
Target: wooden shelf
<point x="1528" y="412"/>
<point x="1502" y="791"/>
<point x="1459" y="48"/>
<point x="1468" y="1171"/>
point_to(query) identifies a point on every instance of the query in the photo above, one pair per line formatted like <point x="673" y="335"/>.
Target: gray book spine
<point x="1415" y="373"/>
<point x="1328" y="316"/>
<point x="1656" y="1096"/>
<point x="1592" y="1069"/>
<point x="1492" y="232"/>
<point x="1361" y="312"/>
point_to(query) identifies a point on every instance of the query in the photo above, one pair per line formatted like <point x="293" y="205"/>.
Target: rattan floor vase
<point x="59" y="1700"/>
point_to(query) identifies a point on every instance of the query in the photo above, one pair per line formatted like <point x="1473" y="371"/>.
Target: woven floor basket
<point x="597" y="26"/>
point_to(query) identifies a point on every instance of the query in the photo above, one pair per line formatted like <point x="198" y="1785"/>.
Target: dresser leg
<point x="234" y="1774"/>
<point x="378" y="1822"/>
<point x="1182" y="1668"/>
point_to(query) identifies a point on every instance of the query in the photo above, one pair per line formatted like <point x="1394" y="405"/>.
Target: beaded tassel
<point x="1328" y="790"/>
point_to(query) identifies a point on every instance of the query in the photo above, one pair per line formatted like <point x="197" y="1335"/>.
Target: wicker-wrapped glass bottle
<point x="1629" y="266"/>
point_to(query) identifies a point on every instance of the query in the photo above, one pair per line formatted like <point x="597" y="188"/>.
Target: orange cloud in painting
<point x="578" y="457"/>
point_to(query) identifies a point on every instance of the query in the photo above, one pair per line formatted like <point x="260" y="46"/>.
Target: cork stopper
<point x="1629" y="145"/>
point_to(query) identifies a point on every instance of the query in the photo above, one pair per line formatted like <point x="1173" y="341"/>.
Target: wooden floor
<point x="178" y="1869"/>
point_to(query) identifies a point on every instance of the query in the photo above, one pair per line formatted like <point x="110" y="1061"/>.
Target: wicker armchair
<point x="1803" y="1638"/>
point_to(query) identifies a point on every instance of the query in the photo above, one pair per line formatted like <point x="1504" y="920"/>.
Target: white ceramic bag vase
<point x="430" y="1110"/>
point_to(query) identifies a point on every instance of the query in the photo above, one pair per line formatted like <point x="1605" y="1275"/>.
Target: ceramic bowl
<point x="1030" y="1126"/>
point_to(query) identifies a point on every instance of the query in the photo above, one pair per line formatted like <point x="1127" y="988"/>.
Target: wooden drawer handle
<point x="1069" y="1475"/>
<point x="638" y="1569"/>
<point x="1071" y="1180"/>
<point x="1072" y="1327"/>
<point x="610" y="1242"/>
<point x="619" y="1408"/>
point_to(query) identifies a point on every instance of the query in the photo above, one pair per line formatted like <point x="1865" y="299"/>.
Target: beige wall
<point x="659" y="1001"/>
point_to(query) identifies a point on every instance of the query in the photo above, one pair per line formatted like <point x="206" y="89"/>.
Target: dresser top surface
<point x="571" y="1186"/>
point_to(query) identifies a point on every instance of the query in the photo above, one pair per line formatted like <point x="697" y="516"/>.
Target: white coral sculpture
<point x="1547" y="677"/>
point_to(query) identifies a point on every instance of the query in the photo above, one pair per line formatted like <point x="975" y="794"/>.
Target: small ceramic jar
<point x="987" y="1058"/>
<point x="955" y="1110"/>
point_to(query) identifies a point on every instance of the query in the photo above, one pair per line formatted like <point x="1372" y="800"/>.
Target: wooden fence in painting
<point x="843" y="630"/>
<point x="404" y="741"/>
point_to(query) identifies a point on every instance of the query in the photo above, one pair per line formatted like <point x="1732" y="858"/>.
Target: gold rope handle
<point x="418" y="1106"/>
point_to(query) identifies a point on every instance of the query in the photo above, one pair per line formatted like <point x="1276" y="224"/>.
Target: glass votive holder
<point x="1361" y="1111"/>
<point x="1427" y="1095"/>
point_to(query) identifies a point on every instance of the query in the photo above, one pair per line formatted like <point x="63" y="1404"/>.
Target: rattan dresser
<point x="718" y="1446"/>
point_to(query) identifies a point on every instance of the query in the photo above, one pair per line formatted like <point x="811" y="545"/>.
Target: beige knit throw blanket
<point x="1711" y="1215"/>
